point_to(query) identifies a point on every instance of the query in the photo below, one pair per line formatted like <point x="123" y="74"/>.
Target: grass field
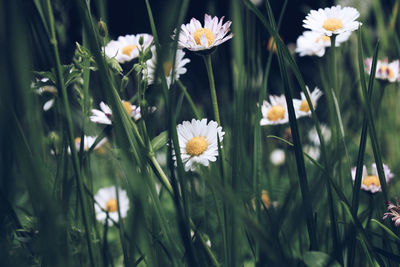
<point x="243" y="140"/>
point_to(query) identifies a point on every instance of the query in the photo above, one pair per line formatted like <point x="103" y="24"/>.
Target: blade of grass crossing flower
<point x="306" y="198"/>
<point x="370" y="120"/>
<point x="364" y="133"/>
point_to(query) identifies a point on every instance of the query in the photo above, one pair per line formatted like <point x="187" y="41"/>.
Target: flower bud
<point x="103" y="31"/>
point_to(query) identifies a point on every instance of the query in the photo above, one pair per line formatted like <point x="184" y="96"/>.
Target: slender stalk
<point x="189" y="99"/>
<point x="207" y="61"/>
<point x="75" y="160"/>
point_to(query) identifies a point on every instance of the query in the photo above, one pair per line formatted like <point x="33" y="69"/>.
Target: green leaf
<point x="159" y="141"/>
<point x="319" y="259"/>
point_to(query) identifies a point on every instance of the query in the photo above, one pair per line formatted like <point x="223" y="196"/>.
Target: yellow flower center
<point x="127" y="50"/>
<point x="304" y="106"/>
<point x="270" y="41"/>
<point x="207" y="33"/>
<point x="265" y="198"/>
<point x="276" y="113"/>
<point x="323" y="38"/>
<point x="388" y="70"/>
<point x="127" y="106"/>
<point x="112" y="205"/>
<point x="77" y="141"/>
<point x="332" y="24"/>
<point x="196" y="146"/>
<point x="167" y="66"/>
<point x="372" y="179"/>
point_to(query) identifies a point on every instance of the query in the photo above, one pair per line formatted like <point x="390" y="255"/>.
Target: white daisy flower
<point x="277" y="157"/>
<point x="312" y="43"/>
<point x="371" y="182"/>
<point x="106" y="202"/>
<point x="301" y="105"/>
<point x="274" y="111"/>
<point x="325" y="131"/>
<point x="198" y="142"/>
<point x="384" y="69"/>
<point x="332" y="20"/>
<point x="88" y="142"/>
<point x="195" y="37"/>
<point x="127" y="47"/>
<point x="104" y="115"/>
<point x="50" y="89"/>
<point x="151" y="64"/>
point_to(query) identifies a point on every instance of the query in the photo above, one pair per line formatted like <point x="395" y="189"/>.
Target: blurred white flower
<point x="312" y="43"/>
<point x="198" y="142"/>
<point x="127" y="47"/>
<point x="277" y="157"/>
<point x="301" y="105"/>
<point x="384" y="69"/>
<point x="371" y="182"/>
<point x="325" y="131"/>
<point x="106" y="203"/>
<point x="104" y="115"/>
<point x="49" y="89"/>
<point x="332" y="20"/>
<point x="274" y="111"/>
<point x="313" y="151"/>
<point x="195" y="37"/>
<point x="151" y="64"/>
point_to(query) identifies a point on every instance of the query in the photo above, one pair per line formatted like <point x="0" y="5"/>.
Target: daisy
<point x="371" y="182"/>
<point x="195" y="37"/>
<point x="384" y="69"/>
<point x="46" y="88"/>
<point x="106" y="203"/>
<point x="312" y="43"/>
<point x="274" y="111"/>
<point x="104" y="115"/>
<point x="88" y="142"/>
<point x="151" y="64"/>
<point x="277" y="157"/>
<point x="198" y="142"/>
<point x="126" y="47"/>
<point x="325" y="131"/>
<point x="393" y="211"/>
<point x="332" y="20"/>
<point x="301" y="105"/>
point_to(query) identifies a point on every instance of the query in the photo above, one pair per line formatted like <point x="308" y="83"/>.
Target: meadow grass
<point x="240" y="210"/>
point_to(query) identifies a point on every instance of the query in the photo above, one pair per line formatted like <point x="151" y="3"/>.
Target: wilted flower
<point x="371" y="182"/>
<point x="198" y="142"/>
<point x="393" y="211"/>
<point x="332" y="20"/>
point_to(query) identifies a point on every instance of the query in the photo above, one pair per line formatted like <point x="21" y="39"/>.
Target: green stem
<point x="189" y="99"/>
<point x="207" y="61"/>
<point x="75" y="161"/>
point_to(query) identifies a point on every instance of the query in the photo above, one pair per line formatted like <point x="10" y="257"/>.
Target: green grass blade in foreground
<point x="306" y="198"/>
<point x="69" y="128"/>
<point x="364" y="133"/>
<point x="371" y="125"/>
